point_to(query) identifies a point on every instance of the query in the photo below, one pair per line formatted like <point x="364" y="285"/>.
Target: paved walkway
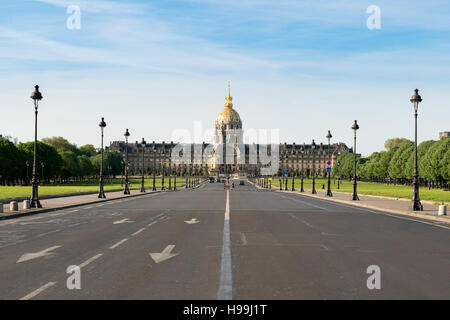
<point x="399" y="206"/>
<point x="70" y="201"/>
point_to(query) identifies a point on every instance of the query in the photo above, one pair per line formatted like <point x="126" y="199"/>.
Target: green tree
<point x="87" y="150"/>
<point x="382" y="166"/>
<point x="85" y="166"/>
<point x="396" y="168"/>
<point x="111" y="159"/>
<point x="71" y="166"/>
<point x="368" y="169"/>
<point x="45" y="154"/>
<point x="61" y="144"/>
<point x="396" y="143"/>
<point x="10" y="161"/>
<point x="343" y="167"/>
<point x="437" y="155"/>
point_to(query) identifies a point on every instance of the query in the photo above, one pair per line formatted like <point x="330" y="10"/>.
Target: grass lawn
<point x="47" y="190"/>
<point x="373" y="188"/>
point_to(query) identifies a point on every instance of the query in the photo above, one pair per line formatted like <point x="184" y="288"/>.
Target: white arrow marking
<point x="122" y="221"/>
<point x="164" y="255"/>
<point x="31" y="256"/>
<point x="192" y="221"/>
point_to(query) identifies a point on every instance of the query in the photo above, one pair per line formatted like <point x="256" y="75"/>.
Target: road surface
<point x="209" y="243"/>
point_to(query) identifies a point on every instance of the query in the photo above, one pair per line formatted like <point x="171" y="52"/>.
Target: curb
<point x="398" y="212"/>
<point x="32" y="213"/>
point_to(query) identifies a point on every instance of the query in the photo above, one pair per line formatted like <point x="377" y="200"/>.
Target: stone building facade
<point x="227" y="154"/>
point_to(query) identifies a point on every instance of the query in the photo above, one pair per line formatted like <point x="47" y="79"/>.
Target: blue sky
<point x="303" y="67"/>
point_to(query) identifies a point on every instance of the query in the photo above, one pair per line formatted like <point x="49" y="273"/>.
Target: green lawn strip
<point x="373" y="188"/>
<point x="50" y="190"/>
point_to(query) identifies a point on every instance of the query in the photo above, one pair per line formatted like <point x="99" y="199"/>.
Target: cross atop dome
<point x="228" y="98"/>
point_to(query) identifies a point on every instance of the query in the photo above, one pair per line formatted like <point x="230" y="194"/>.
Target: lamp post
<point x="313" y="146"/>
<point x="123" y="172"/>
<point x="154" y="167"/>
<point x="329" y="136"/>
<point x="126" y="190"/>
<point x="36" y="96"/>
<point x="429" y="178"/>
<point x="163" y="167"/>
<point x="286" y="168"/>
<point x="293" y="171"/>
<point x="143" y="144"/>
<point x="42" y="175"/>
<point x="339" y="178"/>
<point x="27" y="163"/>
<point x="302" y="151"/>
<point x="186" y="173"/>
<point x="175" y="177"/>
<point x="416" y="205"/>
<point x="355" y="127"/>
<point x="101" y="192"/>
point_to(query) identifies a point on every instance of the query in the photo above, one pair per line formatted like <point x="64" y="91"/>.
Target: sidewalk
<point x="397" y="206"/>
<point x="58" y="203"/>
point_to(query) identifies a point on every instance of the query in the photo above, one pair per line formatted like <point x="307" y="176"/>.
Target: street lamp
<point x="416" y="205"/>
<point x="27" y="163"/>
<point x="175" y="168"/>
<point x="293" y="171"/>
<point x="154" y="167"/>
<point x="127" y="190"/>
<point x="36" y="96"/>
<point x="329" y="136"/>
<point x="163" y="167"/>
<point x="302" y="151"/>
<point x="339" y="177"/>
<point x="429" y="178"/>
<point x="101" y="193"/>
<point x="42" y="165"/>
<point x="143" y="144"/>
<point x="313" y="146"/>
<point x="355" y="127"/>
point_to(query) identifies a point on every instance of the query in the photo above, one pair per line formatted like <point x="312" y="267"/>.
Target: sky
<point x="157" y="67"/>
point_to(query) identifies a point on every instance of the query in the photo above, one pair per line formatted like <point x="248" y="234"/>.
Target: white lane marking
<point x="123" y="221"/>
<point x="84" y="264"/>
<point x="74" y="224"/>
<point x="243" y="239"/>
<point x="47" y="233"/>
<point x="324" y="247"/>
<point x="225" y="291"/>
<point x="87" y="208"/>
<point x="152" y="223"/>
<point x="100" y="205"/>
<point x="333" y="234"/>
<point x="118" y="243"/>
<point x="35" y="255"/>
<point x="304" y="202"/>
<point x="301" y="220"/>
<point x="38" y="291"/>
<point x="164" y="255"/>
<point x="381" y="212"/>
<point x="192" y="221"/>
<point x="137" y="232"/>
<point x="74" y="210"/>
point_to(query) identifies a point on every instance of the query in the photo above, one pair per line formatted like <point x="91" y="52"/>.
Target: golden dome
<point x="229" y="116"/>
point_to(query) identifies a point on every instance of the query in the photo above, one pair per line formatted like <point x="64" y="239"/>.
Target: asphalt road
<point x="210" y="243"/>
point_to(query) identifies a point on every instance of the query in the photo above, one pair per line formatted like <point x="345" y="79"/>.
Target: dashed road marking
<point x="118" y="243"/>
<point x="137" y="232"/>
<point x="84" y="264"/>
<point x="38" y="291"/>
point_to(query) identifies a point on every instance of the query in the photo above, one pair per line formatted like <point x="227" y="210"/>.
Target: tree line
<point x="58" y="160"/>
<point x="396" y="163"/>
